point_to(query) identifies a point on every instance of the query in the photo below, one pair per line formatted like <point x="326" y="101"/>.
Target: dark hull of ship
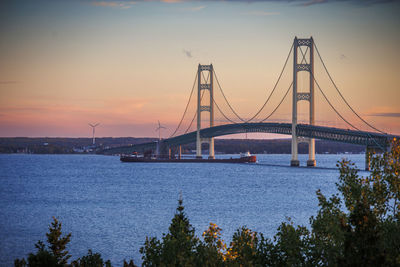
<point x="250" y="159"/>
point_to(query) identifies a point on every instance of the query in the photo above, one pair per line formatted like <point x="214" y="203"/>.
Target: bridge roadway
<point x="368" y="139"/>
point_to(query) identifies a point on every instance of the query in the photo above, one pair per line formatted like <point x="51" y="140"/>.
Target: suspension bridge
<point x="304" y="89"/>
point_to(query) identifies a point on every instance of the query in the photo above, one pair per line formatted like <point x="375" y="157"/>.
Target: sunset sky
<point x="127" y="64"/>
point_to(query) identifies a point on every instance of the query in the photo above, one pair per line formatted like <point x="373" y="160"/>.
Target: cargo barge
<point x="244" y="158"/>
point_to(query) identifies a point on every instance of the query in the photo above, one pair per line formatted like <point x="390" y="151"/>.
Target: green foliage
<point x="43" y="257"/>
<point x="91" y="260"/>
<point x="130" y="264"/>
<point x="291" y="245"/>
<point x="19" y="263"/>
<point x="56" y="255"/>
<point x="327" y="236"/>
<point x="211" y="251"/>
<point x="371" y="231"/>
<point x="178" y="246"/>
<point x="57" y="243"/>
<point x="242" y="250"/>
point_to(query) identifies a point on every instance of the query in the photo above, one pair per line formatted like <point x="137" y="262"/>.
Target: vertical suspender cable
<point x="337" y="89"/>
<point x="279" y="78"/>
<point x="187" y="105"/>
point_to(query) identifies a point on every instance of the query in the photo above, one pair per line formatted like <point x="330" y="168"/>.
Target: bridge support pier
<point x="311" y="153"/>
<point x="294" y="162"/>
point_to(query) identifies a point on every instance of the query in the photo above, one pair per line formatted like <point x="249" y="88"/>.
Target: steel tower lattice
<point x="306" y="96"/>
<point x="208" y="108"/>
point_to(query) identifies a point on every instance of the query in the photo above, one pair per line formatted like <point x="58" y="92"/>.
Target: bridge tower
<point x="203" y="85"/>
<point x="307" y="96"/>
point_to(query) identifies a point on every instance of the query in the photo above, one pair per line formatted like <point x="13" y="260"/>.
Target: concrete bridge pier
<point x="311" y="153"/>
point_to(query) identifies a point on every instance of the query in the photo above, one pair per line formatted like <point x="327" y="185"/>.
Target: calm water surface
<point x="110" y="207"/>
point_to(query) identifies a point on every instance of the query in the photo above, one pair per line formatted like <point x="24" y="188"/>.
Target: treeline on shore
<point x="225" y="146"/>
<point x="359" y="226"/>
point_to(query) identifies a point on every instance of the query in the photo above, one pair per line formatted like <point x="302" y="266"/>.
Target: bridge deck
<point x="369" y="139"/>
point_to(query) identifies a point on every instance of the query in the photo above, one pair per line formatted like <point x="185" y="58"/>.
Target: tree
<point x="327" y="236"/>
<point x="372" y="229"/>
<point x="243" y="248"/>
<point x="91" y="260"/>
<point x="212" y="252"/>
<point x="369" y="234"/>
<point x="130" y="264"/>
<point x="53" y="256"/>
<point x="43" y="257"/>
<point x="177" y="248"/>
<point x="57" y="243"/>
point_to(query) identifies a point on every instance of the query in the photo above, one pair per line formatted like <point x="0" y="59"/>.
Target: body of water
<point x="110" y="207"/>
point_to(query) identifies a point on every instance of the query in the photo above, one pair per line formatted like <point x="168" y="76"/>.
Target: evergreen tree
<point x="130" y="264"/>
<point x="178" y="246"/>
<point x="56" y="256"/>
<point x="91" y="260"/>
<point x="57" y="244"/>
<point x="43" y="257"/>
<point x="180" y="243"/>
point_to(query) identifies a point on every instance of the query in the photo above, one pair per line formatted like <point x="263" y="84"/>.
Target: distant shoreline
<point x="59" y="145"/>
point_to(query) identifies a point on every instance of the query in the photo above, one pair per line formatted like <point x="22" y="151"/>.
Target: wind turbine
<point x="94" y="130"/>
<point x="159" y="130"/>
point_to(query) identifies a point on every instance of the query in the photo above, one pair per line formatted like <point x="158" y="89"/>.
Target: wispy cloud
<point x="386" y="114"/>
<point x="360" y="2"/>
<point x="261" y="13"/>
<point x="114" y="4"/>
<point x="313" y="2"/>
<point x="188" y="53"/>
<point x="305" y="3"/>
<point x="8" y="82"/>
<point x="193" y="9"/>
<point x="383" y="111"/>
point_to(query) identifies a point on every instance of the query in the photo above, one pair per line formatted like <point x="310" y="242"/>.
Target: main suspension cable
<point x="272" y="113"/>
<point x="337" y="89"/>
<point x="187" y="105"/>
<point x="220" y="88"/>
<point x="222" y="112"/>
<point x="337" y="112"/>
<point x="213" y="98"/>
<point x="190" y="125"/>
<point x="280" y="75"/>
<point x="201" y="98"/>
<point x="287" y="91"/>
<point x="326" y="98"/>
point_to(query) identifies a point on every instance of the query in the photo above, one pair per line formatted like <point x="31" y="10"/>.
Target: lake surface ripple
<point x="110" y="207"/>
